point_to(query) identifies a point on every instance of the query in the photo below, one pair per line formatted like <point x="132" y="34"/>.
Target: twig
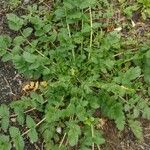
<point x="118" y="54"/>
<point x="15" y="115"/>
<point x="46" y="5"/>
<point x="27" y="111"/>
<point x="82" y="40"/>
<point x="147" y="135"/>
<point x="69" y="33"/>
<point x="62" y="140"/>
<point x="98" y="147"/>
<point x="91" y="34"/>
<point x="42" y="147"/>
<point x="40" y="121"/>
<point x="34" y="48"/>
<point x="26" y="132"/>
<point x="121" y="53"/>
<point x="8" y="86"/>
<point x="92" y="130"/>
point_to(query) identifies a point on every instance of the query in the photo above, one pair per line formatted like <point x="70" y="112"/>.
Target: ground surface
<point x="10" y="89"/>
<point x="10" y="83"/>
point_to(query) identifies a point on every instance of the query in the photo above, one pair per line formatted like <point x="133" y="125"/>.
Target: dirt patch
<point x="10" y="83"/>
<point x="126" y="140"/>
<point x="10" y="80"/>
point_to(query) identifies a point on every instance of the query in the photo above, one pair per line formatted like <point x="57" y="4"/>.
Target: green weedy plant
<point x="145" y="8"/>
<point x="13" y="4"/>
<point x="84" y="70"/>
<point x="140" y="5"/>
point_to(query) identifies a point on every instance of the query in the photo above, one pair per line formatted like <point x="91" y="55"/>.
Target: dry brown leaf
<point x="31" y="86"/>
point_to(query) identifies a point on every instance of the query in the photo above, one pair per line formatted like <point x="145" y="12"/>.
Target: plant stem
<point x="15" y="115"/>
<point x="69" y="33"/>
<point x="62" y="140"/>
<point x="27" y="111"/>
<point x="82" y="40"/>
<point x="68" y="30"/>
<point x="26" y="132"/>
<point x="92" y="131"/>
<point x="32" y="46"/>
<point x="98" y="147"/>
<point x="73" y="53"/>
<point x="91" y="34"/>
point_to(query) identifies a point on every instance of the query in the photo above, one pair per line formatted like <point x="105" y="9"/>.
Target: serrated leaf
<point x="86" y="29"/>
<point x="20" y="114"/>
<point x="46" y="71"/>
<point x="136" y="128"/>
<point x="14" y="132"/>
<point x="4" y="114"/>
<point x="119" y="116"/>
<point x="69" y="111"/>
<point x="120" y="123"/>
<point x="5" y="123"/>
<point x="53" y="36"/>
<point x="147" y="74"/>
<point x="53" y="114"/>
<point x="94" y="102"/>
<point x="98" y="139"/>
<point x="130" y="9"/>
<point x="76" y="15"/>
<point x="136" y="113"/>
<point x="146" y="113"/>
<point x="146" y="3"/>
<point x="5" y="143"/>
<point x="48" y="131"/>
<point x="7" y="57"/>
<point x="5" y="41"/>
<point x="37" y="97"/>
<point x="81" y="112"/>
<point x="29" y="57"/>
<point x="15" y="23"/>
<point x="27" y="32"/>
<point x="132" y="73"/>
<point x="114" y="110"/>
<point x="33" y="135"/>
<point x="18" y="40"/>
<point x="16" y="138"/>
<point x="86" y="3"/>
<point x="30" y="122"/>
<point x="73" y="134"/>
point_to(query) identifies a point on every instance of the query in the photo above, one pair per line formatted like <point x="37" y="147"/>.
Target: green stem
<point x="82" y="40"/>
<point x="62" y="140"/>
<point x="92" y="131"/>
<point x="73" y="53"/>
<point x="68" y="30"/>
<point x="26" y="132"/>
<point x="98" y="147"/>
<point x="32" y="46"/>
<point x="91" y="34"/>
<point x="69" y="33"/>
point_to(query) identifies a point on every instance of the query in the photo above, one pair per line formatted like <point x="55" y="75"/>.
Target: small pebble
<point x="118" y="29"/>
<point x="26" y="1"/>
<point x="13" y="119"/>
<point x="58" y="130"/>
